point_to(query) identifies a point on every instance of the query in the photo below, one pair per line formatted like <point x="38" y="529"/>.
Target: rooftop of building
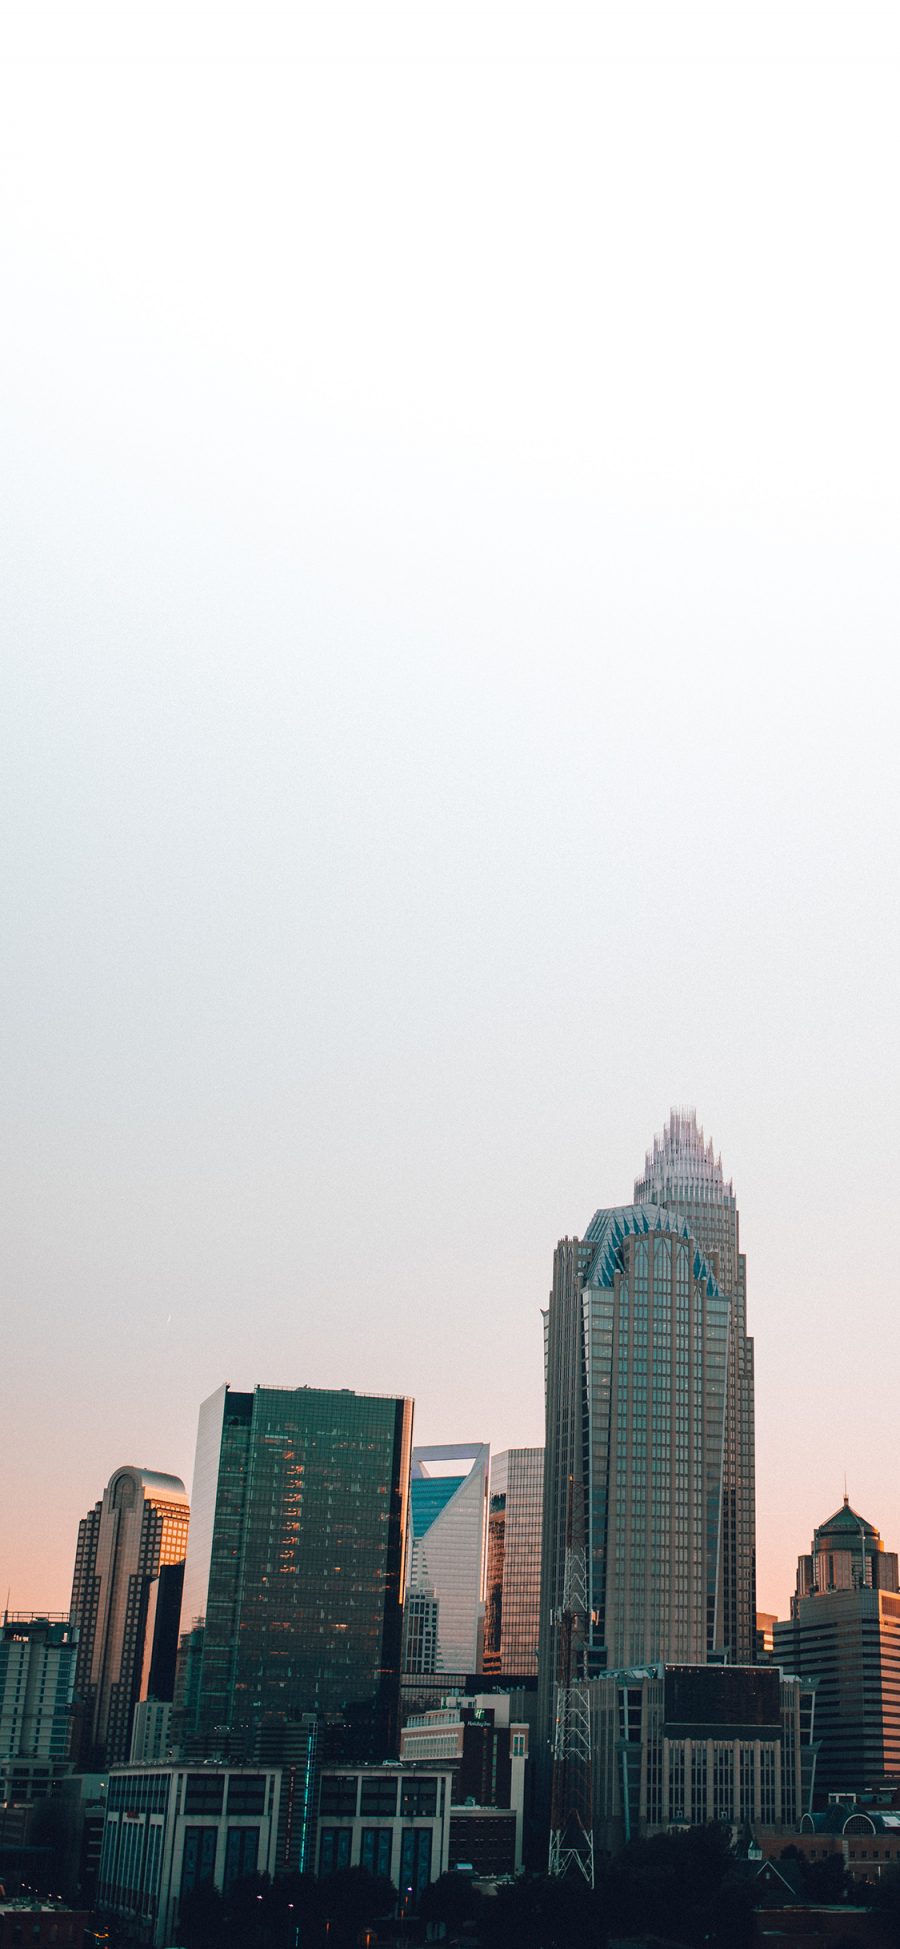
<point x="23" y="1626"/>
<point x="413" y="1767"/>
<point x="846" y="1524"/>
<point x="188" y="1766"/>
<point x="308" y="1387"/>
<point x="852" y="1819"/>
<point x="36" y="1905"/>
<point x="430" y="1491"/>
<point x="608" y="1229"/>
<point x="169" y="1488"/>
<point x="681" y="1163"/>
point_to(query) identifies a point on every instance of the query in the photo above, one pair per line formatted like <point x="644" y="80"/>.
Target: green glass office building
<point x="294" y="1580"/>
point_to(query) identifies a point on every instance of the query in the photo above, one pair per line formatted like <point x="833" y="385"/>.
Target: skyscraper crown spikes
<point x="681" y="1162"/>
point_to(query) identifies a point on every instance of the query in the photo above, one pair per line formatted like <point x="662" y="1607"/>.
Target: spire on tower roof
<point x="682" y="1163"/>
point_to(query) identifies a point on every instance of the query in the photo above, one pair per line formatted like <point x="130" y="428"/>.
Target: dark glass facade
<point x="701" y="1700"/>
<point x="294" y="1604"/>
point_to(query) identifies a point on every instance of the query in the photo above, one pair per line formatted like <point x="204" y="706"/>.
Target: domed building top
<point x="844" y="1525"/>
<point x="847" y="1554"/>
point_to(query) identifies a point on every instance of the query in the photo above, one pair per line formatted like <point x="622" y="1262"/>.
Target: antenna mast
<point x="571" y="1806"/>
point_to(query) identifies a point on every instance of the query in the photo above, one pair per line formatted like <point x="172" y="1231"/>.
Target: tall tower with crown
<point x="647" y="1543"/>
<point x="683" y="1174"/>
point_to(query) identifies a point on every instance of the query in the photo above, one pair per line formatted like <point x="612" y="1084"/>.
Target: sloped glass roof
<point x="607" y="1229"/>
<point x="429" y="1494"/>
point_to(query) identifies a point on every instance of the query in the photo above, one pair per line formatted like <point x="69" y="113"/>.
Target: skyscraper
<point x="37" y="1676"/>
<point x="513" y="1578"/>
<point x="293" y="1592"/>
<point x="844" y="1633"/>
<point x="449" y="1514"/>
<point x="682" y="1173"/>
<point x="649" y="1430"/>
<point x="125" y="1601"/>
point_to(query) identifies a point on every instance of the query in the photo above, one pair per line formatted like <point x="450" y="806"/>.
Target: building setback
<point x="126" y="1594"/>
<point x="294" y="1580"/>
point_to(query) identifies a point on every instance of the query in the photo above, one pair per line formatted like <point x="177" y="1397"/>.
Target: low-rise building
<point x="40" y="1924"/>
<point x="865" y="1836"/>
<point x="686" y="1744"/>
<point x="392" y="1819"/>
<point x="169" y="1829"/>
<point x="487" y="1749"/>
<point x="401" y="1820"/>
<point x="484" y="1841"/>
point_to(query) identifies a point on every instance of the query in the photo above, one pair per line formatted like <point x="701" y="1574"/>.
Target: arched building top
<point x="154" y="1486"/>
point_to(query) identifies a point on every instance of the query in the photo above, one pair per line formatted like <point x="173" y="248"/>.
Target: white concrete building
<point x="448" y="1508"/>
<point x="170" y="1828"/>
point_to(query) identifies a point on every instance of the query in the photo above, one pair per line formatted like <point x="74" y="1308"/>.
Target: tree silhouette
<point x="538" y="1912"/>
<point x="449" y="1903"/>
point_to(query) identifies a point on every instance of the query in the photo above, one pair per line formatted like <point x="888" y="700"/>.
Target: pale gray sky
<point x="450" y="603"/>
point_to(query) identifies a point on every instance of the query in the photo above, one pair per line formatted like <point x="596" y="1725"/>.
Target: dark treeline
<point x="675" y="1891"/>
<point x="683" y="1889"/>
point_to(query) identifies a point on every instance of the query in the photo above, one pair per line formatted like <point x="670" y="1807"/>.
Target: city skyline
<point x="450" y="616"/>
<point x="656" y="1154"/>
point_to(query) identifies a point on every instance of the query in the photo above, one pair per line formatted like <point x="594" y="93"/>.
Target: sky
<point x="450" y="602"/>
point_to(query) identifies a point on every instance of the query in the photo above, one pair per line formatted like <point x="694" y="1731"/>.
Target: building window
<point x="375" y="1853"/>
<point x="198" y="1863"/>
<point x="378" y="1794"/>
<point x="203" y="1793"/>
<point x="415" y="1864"/>
<point x="418" y="1799"/>
<point x="338" y="1794"/>
<point x="241" y="1853"/>
<point x="247" y="1793"/>
<point x="334" y="1849"/>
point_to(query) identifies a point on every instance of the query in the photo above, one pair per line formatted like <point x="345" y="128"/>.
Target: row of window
<point x="378" y="1795"/>
<point x="375" y="1854"/>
